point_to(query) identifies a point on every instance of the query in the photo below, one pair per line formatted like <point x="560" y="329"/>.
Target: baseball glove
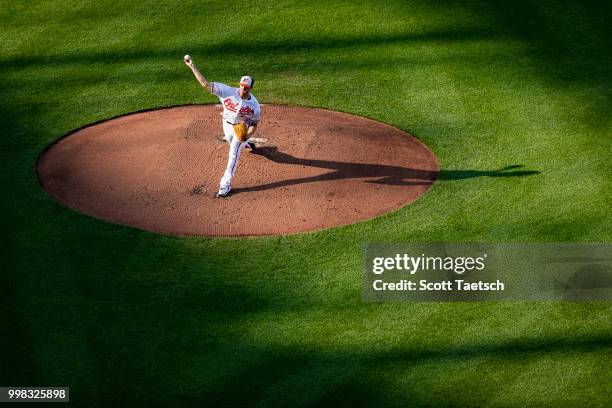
<point x="241" y="131"/>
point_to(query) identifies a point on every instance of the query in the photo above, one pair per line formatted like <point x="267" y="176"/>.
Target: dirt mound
<point x="159" y="170"/>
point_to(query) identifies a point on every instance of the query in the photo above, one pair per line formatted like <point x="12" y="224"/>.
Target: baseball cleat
<point x="251" y="145"/>
<point x="222" y="194"/>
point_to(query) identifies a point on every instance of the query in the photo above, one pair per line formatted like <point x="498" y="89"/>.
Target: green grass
<point x="127" y="317"/>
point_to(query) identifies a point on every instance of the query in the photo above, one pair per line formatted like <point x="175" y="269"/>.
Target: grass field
<point x="126" y="317"/>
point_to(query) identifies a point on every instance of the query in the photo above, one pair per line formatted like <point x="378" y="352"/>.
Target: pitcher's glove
<point x="241" y="131"/>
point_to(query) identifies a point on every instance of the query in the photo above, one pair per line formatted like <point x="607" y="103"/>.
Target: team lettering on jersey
<point x="245" y="110"/>
<point x="230" y="105"/>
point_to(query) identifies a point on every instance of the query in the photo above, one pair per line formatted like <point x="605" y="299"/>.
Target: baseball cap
<point x="246" y="81"/>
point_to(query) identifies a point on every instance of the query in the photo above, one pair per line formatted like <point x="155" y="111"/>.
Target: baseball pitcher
<point x="241" y="114"/>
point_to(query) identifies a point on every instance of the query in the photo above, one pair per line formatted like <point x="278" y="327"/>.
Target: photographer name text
<point x="412" y="265"/>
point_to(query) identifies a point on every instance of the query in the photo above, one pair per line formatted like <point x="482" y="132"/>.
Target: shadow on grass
<point x="568" y="44"/>
<point x="235" y="48"/>
<point x="352" y="378"/>
<point x="384" y="174"/>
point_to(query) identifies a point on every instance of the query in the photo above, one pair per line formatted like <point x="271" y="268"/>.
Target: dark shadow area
<point x="390" y="175"/>
<point x="593" y="276"/>
<point x="503" y="172"/>
<point x="569" y="44"/>
<point x="230" y="49"/>
<point x="588" y="282"/>
<point x="350" y="378"/>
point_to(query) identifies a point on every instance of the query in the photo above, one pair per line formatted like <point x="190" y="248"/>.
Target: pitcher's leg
<point x="232" y="164"/>
<point x="228" y="132"/>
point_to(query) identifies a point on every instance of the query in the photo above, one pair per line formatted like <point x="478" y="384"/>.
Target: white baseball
<point x="187" y="57"/>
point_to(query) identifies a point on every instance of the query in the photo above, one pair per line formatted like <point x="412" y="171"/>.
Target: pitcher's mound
<point x="313" y="169"/>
